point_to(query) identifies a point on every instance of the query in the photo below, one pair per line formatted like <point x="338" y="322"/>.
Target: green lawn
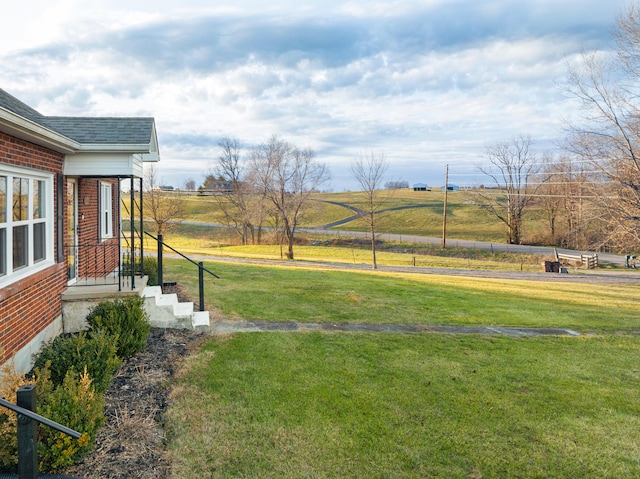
<point x="330" y="405"/>
<point x="389" y="405"/>
<point x="279" y="294"/>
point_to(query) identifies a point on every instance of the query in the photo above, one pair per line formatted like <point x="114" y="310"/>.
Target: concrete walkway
<point x="248" y="326"/>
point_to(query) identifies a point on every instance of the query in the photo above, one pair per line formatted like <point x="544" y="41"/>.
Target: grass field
<point x="465" y="218"/>
<point x="323" y="405"/>
<point x="198" y="239"/>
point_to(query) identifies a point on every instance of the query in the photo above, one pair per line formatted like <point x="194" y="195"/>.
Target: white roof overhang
<point x="27" y="130"/>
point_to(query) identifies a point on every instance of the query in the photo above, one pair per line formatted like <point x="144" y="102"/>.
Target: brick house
<point x="60" y="214"/>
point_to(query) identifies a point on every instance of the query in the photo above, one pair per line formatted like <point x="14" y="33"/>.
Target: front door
<point x="72" y="230"/>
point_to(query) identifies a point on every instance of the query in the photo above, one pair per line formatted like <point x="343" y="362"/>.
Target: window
<point x="106" y="211"/>
<point x="26" y="227"/>
<point x="3" y="227"/>
<point x="20" y="208"/>
<point x="39" y="218"/>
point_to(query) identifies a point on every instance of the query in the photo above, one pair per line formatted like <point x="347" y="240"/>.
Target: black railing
<point x="28" y="430"/>
<point x="200" y="265"/>
<point x="131" y="242"/>
<point x="102" y="264"/>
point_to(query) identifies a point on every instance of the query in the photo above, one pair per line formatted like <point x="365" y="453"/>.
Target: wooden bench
<point x="588" y="261"/>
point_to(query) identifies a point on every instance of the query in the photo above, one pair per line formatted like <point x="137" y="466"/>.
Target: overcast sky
<point x="426" y="82"/>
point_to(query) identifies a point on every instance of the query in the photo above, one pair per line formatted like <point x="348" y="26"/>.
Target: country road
<point x="610" y="258"/>
<point x="460" y="243"/>
<point x="539" y="250"/>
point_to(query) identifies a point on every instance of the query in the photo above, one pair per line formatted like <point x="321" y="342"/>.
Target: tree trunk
<point x="289" y="236"/>
<point x="373" y="249"/>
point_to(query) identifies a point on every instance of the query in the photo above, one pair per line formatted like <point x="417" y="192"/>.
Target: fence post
<point x="201" y="284"/>
<point x="160" y="279"/>
<point x="27" y="434"/>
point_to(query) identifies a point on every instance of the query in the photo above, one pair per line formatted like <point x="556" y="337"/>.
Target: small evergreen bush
<point x="125" y="319"/>
<point x="151" y="270"/>
<point x="77" y="405"/>
<point x="95" y="352"/>
<point x="10" y="383"/>
<point x="74" y="404"/>
<point x="71" y="374"/>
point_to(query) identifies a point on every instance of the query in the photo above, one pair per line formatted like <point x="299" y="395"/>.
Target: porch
<point x="107" y="287"/>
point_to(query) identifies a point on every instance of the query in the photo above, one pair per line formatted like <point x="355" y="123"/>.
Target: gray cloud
<point x="221" y="42"/>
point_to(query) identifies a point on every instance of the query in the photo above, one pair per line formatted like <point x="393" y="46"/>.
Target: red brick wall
<point x="28" y="306"/>
<point x="96" y="258"/>
<point x="16" y="152"/>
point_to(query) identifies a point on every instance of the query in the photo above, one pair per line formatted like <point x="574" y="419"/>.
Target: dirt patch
<point x="132" y="443"/>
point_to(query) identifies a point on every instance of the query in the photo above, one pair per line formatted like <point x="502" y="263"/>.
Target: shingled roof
<point x="85" y="130"/>
<point x="102" y="130"/>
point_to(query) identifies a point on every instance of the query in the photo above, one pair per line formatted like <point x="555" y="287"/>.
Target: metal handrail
<point x="200" y="266"/>
<point x="41" y="419"/>
<point x="27" y="430"/>
<point x="179" y="253"/>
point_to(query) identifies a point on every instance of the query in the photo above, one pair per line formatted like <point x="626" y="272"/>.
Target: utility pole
<point x="444" y="211"/>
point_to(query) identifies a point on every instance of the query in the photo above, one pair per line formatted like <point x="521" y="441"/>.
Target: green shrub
<point x="74" y="404"/>
<point x="74" y="352"/>
<point x="10" y="383"/>
<point x="151" y="270"/>
<point x="125" y="319"/>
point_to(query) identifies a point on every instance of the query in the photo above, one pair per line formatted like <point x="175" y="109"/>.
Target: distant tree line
<point x="589" y="195"/>
<point x="396" y="185"/>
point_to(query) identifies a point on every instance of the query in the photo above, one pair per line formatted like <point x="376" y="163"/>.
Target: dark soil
<point x="132" y="443"/>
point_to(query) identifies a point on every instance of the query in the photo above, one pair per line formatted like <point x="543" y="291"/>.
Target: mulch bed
<point x="132" y="443"/>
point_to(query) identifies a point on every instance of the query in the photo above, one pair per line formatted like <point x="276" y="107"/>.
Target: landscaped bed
<point x="132" y="444"/>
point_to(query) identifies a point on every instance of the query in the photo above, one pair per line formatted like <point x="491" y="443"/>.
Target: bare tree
<point x="369" y="171"/>
<point x="286" y="176"/>
<point x="164" y="207"/>
<point x="190" y="184"/>
<point x="566" y="196"/>
<point x="512" y="166"/>
<point x="552" y="194"/>
<point x="608" y="137"/>
<point x="237" y="200"/>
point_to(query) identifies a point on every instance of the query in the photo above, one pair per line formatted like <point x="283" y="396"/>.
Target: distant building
<point x="165" y="188"/>
<point x="451" y="188"/>
<point x="215" y="186"/>
<point x="420" y="187"/>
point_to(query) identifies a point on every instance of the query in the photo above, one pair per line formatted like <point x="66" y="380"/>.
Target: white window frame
<point x="106" y="211"/>
<point x="32" y="266"/>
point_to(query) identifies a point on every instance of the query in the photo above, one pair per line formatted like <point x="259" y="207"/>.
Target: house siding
<point x="32" y="304"/>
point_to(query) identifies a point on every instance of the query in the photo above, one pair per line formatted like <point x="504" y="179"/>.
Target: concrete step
<point x="165" y="311"/>
<point x="201" y="321"/>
